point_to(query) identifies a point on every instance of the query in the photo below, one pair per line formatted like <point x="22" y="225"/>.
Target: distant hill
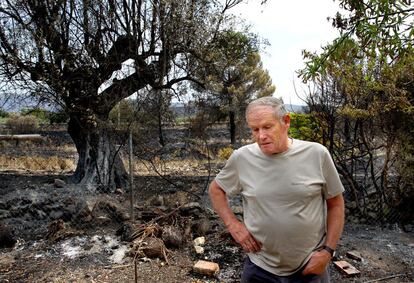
<point x="16" y="104"/>
<point x="296" y="108"/>
<point x="180" y="110"/>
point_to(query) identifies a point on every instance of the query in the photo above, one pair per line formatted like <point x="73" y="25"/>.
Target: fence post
<point x="131" y="177"/>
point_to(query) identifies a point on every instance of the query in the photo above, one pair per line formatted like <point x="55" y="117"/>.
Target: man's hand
<point x="317" y="263"/>
<point x="236" y="228"/>
<point x="243" y="237"/>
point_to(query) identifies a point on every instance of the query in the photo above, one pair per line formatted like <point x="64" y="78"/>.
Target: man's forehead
<point x="260" y="111"/>
<point x="262" y="117"/>
<point x="260" y="107"/>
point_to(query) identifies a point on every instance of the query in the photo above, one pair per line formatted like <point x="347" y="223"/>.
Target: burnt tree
<point x="76" y="51"/>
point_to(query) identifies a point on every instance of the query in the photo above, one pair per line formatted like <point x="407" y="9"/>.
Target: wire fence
<point x="166" y="199"/>
<point x="27" y="204"/>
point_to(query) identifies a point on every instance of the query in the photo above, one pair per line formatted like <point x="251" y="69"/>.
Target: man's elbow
<point x="336" y="202"/>
<point x="215" y="191"/>
<point x="336" y="209"/>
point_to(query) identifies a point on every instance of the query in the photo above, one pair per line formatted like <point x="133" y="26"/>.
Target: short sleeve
<point x="333" y="185"/>
<point x="228" y="177"/>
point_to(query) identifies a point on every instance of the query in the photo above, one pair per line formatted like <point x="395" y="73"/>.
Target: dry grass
<point x="188" y="167"/>
<point x="46" y="144"/>
<point x="60" y="164"/>
<point x="23" y="124"/>
<point x="36" y="163"/>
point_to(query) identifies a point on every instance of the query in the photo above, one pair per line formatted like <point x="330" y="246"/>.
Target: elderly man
<point x="292" y="200"/>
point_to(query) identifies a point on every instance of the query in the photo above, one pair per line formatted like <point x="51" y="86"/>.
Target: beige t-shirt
<point x="284" y="200"/>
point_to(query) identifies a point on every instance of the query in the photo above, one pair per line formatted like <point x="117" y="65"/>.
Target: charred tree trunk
<point x="232" y="118"/>
<point x="99" y="164"/>
<point x="159" y="120"/>
<point x="160" y="132"/>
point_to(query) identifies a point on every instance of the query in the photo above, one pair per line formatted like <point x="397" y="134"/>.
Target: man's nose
<point x="262" y="134"/>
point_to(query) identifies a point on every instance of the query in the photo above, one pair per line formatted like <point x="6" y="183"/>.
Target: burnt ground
<point x="88" y="252"/>
<point x="67" y="234"/>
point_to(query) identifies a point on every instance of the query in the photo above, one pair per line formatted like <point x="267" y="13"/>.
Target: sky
<point x="290" y="26"/>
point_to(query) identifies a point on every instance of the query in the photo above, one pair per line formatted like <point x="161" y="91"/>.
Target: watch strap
<point x="329" y="249"/>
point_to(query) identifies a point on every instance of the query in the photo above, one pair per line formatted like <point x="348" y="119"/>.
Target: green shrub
<point x="40" y="114"/>
<point x="225" y="152"/>
<point x="4" y="114"/>
<point x="57" y="117"/>
<point x="303" y="126"/>
<point x="23" y="124"/>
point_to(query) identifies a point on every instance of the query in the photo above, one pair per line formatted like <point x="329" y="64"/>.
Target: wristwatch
<point x="329" y="250"/>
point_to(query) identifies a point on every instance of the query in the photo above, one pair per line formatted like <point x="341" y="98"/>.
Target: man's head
<point x="269" y="122"/>
<point x="275" y="103"/>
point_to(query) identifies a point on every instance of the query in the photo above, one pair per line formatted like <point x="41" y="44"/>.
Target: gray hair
<point x="277" y="105"/>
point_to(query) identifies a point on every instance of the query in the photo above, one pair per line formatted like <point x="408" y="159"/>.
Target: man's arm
<point x="236" y="228"/>
<point x="335" y="224"/>
<point x="335" y="220"/>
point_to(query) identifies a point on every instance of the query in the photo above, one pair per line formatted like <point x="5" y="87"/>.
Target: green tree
<point x="364" y="98"/>
<point x="385" y="30"/>
<point x="236" y="77"/>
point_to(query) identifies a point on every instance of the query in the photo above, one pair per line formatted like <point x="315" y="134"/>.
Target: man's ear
<point x="286" y="119"/>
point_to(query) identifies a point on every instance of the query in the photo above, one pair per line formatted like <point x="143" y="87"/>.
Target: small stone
<point x="199" y="241"/>
<point x="4" y="214"/>
<point x="206" y="268"/>
<point x="192" y="208"/>
<point x="59" y="183"/>
<point x="155" y="248"/>
<point x="172" y="236"/>
<point x="157" y="200"/>
<point x="199" y="250"/>
<point x="103" y="220"/>
<point x="372" y="215"/>
<point x="7" y="238"/>
<point x="352" y="205"/>
<point x="354" y="255"/>
<point x="6" y="262"/>
<point x="201" y="227"/>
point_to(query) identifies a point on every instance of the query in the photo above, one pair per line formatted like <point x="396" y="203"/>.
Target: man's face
<point x="268" y="131"/>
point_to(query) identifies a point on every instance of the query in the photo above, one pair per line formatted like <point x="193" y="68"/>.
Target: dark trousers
<point x="255" y="274"/>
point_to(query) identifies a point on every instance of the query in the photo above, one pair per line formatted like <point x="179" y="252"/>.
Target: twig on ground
<point x="385" y="278"/>
<point x="117" y="266"/>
